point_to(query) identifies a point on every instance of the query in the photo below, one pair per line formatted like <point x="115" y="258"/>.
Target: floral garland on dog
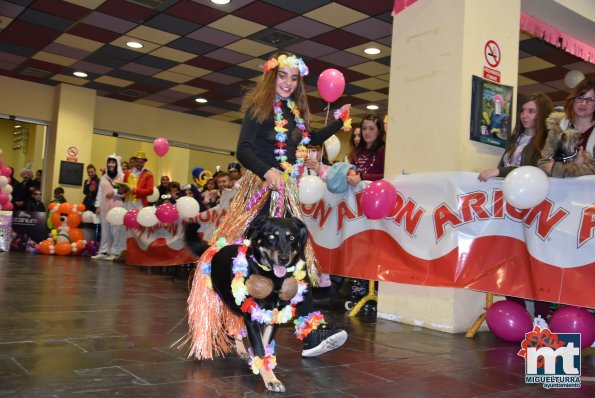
<point x="240" y="291"/>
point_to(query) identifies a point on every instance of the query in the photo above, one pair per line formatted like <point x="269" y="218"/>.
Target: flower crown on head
<point x="283" y="60"/>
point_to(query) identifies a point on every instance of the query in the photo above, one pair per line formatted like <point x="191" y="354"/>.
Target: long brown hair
<point x="544" y="108"/>
<point x="580" y="89"/>
<point x="379" y="141"/>
<point x="259" y="100"/>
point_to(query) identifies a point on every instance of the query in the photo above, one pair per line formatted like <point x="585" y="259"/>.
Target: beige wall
<point x="73" y="112"/>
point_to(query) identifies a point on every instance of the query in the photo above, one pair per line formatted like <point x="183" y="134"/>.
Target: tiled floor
<point x="73" y="327"/>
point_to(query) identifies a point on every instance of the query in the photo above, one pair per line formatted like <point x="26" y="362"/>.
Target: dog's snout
<point x="283" y="259"/>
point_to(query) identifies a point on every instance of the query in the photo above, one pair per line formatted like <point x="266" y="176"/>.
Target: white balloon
<point x="187" y="206"/>
<point x="526" y="187"/>
<point x="310" y="190"/>
<point x="333" y="147"/>
<point x="154" y="197"/>
<point x="7" y="189"/>
<point x="3" y="181"/>
<point x="146" y="216"/>
<point x="115" y="216"/>
<point x="573" y="77"/>
<point x="88" y="216"/>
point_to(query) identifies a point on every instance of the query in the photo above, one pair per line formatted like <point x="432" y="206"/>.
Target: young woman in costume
<point x="272" y="146"/>
<point x="368" y="156"/>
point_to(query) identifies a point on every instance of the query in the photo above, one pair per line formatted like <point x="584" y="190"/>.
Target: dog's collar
<point x="564" y="158"/>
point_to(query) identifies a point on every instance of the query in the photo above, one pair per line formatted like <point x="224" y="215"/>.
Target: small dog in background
<point x="567" y="146"/>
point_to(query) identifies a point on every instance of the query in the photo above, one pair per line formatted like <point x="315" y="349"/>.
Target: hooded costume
<point x="107" y="198"/>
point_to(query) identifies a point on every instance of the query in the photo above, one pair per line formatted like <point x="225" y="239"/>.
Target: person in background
<point x="172" y="194"/>
<point x="112" y="241"/>
<point x="528" y="137"/>
<point x="125" y="167"/>
<point x="34" y="203"/>
<point x="210" y="193"/>
<point x="58" y="196"/>
<point x="37" y="179"/>
<point x="368" y="157"/>
<point x="578" y="117"/>
<point x="22" y="192"/>
<point x="354" y="138"/>
<point x="90" y="188"/>
<point x="223" y="181"/>
<point x="140" y="181"/>
<point x="235" y="172"/>
<point x="163" y="186"/>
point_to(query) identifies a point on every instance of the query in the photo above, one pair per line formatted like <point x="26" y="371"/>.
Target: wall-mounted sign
<point x="72" y="152"/>
<point x="492" y="55"/>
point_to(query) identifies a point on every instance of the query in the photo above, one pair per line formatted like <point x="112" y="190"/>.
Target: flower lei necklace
<point x="240" y="291"/>
<point x="281" y="137"/>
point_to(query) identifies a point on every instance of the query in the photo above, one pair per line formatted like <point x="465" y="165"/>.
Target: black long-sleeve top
<point x="256" y="144"/>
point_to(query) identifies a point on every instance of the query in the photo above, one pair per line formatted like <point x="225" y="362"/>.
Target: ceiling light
<point x="17" y="126"/>
<point x="80" y="74"/>
<point x="372" y="51"/>
<point x="372" y="107"/>
<point x="220" y="1"/>
<point x="201" y="100"/>
<point x="134" y="44"/>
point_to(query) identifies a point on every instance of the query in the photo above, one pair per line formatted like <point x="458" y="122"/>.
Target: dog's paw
<point x="275" y="386"/>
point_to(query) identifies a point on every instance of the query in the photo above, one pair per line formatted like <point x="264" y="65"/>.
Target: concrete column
<point x="437" y="46"/>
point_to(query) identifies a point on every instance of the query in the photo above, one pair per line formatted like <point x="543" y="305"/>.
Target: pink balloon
<point x="167" y="213"/>
<point x="331" y="84"/>
<point x="130" y="220"/>
<point x="571" y="319"/>
<point x="161" y="146"/>
<point x="5" y="171"/>
<point x="378" y="199"/>
<point x="8" y="206"/>
<point x="3" y="198"/>
<point x="509" y="320"/>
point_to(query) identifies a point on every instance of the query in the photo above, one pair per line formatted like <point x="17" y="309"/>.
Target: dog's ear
<point x="303" y="236"/>
<point x="255" y="227"/>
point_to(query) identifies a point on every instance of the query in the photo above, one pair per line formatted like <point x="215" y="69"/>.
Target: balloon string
<point x="328" y="108"/>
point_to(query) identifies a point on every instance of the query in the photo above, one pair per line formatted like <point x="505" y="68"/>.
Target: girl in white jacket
<point x="112" y="236"/>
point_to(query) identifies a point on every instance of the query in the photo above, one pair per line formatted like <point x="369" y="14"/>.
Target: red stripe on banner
<point x="496" y="264"/>
<point x="157" y="254"/>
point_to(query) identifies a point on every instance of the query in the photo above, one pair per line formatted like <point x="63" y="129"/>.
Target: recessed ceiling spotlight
<point x="201" y="100"/>
<point x="17" y="126"/>
<point x="80" y="74"/>
<point x="372" y="51"/>
<point x="372" y="107"/>
<point x="220" y="1"/>
<point x="134" y="44"/>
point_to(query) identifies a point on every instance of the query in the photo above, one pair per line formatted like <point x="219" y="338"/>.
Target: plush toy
<point x="66" y="238"/>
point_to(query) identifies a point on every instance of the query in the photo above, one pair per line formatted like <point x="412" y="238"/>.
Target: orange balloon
<point x="73" y="220"/>
<point x="65" y="208"/>
<point x="76" y="234"/>
<point x="80" y="248"/>
<point x="56" y="220"/>
<point x="44" y="246"/>
<point x="52" y="205"/>
<point x="63" y="248"/>
<point x="81" y="207"/>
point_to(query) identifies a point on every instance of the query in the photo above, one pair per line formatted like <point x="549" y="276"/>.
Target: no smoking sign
<point x="492" y="54"/>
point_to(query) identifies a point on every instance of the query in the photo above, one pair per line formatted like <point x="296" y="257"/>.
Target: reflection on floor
<point x="71" y="326"/>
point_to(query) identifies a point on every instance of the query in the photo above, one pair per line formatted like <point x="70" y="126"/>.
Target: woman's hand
<point x="487" y="174"/>
<point x="548" y="167"/>
<point x="274" y="178"/>
<point x="354" y="179"/>
<point x="109" y="195"/>
<point x="582" y="157"/>
<point x="97" y="211"/>
<point x="346" y="108"/>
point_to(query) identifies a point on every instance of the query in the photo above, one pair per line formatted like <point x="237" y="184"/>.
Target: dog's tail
<point x="193" y="241"/>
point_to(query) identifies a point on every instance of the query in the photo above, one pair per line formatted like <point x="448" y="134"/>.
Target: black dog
<point x="277" y="244"/>
<point x="567" y="146"/>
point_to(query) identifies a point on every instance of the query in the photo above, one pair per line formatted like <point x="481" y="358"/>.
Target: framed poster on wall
<point x="71" y="173"/>
<point x="491" y="112"/>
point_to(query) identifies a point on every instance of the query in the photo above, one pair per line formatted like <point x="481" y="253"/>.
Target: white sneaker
<point x="99" y="256"/>
<point x="111" y="257"/>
